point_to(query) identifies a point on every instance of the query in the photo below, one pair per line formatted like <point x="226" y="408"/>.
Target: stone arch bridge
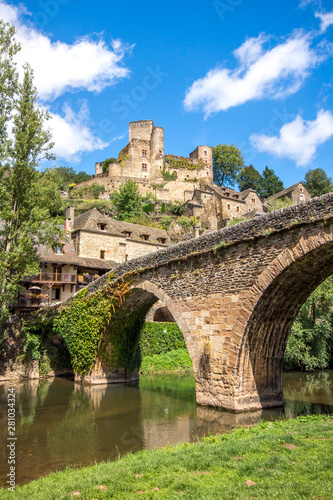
<point x="235" y="294"/>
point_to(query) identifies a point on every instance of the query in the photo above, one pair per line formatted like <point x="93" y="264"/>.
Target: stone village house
<point x="94" y="244"/>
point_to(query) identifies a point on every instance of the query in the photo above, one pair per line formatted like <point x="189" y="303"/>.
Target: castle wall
<point x="141" y="130"/>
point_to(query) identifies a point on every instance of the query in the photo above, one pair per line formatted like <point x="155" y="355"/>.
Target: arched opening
<point x="260" y="357"/>
<point x="163" y="315"/>
<point x="128" y="323"/>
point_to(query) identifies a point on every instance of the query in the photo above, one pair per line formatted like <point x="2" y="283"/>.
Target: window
<point x="207" y="173"/>
<point x="56" y="293"/>
<point x="102" y="254"/>
<point x="205" y="153"/>
<point x="237" y="208"/>
<point x="228" y="206"/>
<point x="126" y="257"/>
<point x="144" y="237"/>
<point x="301" y="197"/>
<point x="144" y="153"/>
<point x="162" y="240"/>
<point x="102" y="227"/>
<point x="160" y="152"/>
<point x="144" y="167"/>
<point x="253" y="200"/>
<point x="58" y="249"/>
<point x="127" y="234"/>
<point x="301" y="189"/>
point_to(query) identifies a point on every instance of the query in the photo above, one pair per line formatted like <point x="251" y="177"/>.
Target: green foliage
<point x="187" y="222"/>
<point x="182" y="162"/>
<point x="249" y="178"/>
<point x="174" y="361"/>
<point x="235" y="221"/>
<point x="227" y="163"/>
<point x="97" y="189"/>
<point x="165" y="222"/>
<point x="32" y="344"/>
<point x="142" y="220"/>
<point x="26" y="196"/>
<point x="163" y="208"/>
<point x="123" y="156"/>
<point x="310" y="344"/>
<point x="270" y="183"/>
<point x="127" y="201"/>
<point x="176" y="208"/>
<point x="66" y="176"/>
<point x="317" y="182"/>
<point x="84" y="322"/>
<point x="169" y="177"/>
<point x="106" y="163"/>
<point x="158" y="338"/>
<point x="279" y="203"/>
<point x="149" y="207"/>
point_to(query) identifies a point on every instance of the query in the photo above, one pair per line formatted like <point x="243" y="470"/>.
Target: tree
<point x="24" y="200"/>
<point x="64" y="176"/>
<point x="106" y="163"/>
<point x="227" y="163"/>
<point x="249" y="178"/>
<point x="270" y="183"/>
<point x="317" y="182"/>
<point x="311" y="340"/>
<point x="127" y="201"/>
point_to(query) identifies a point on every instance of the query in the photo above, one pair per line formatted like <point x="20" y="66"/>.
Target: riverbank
<point x="282" y="459"/>
<point x="175" y="362"/>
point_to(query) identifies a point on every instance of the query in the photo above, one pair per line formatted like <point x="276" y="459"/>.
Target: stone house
<point x="94" y="244"/>
<point x="215" y="205"/>
<point x="297" y="193"/>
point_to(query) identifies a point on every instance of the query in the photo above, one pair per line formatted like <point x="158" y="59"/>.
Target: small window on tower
<point x="102" y="254"/>
<point x="205" y="153"/>
<point x="144" y="167"/>
<point x="144" y="153"/>
<point x="237" y="208"/>
<point x="160" y="151"/>
<point x="228" y="206"/>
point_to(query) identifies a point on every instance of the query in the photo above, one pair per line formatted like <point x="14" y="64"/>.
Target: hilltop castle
<point x="169" y="177"/>
<point x="188" y="180"/>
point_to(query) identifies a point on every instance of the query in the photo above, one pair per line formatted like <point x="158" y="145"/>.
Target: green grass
<point x="281" y="460"/>
<point x="177" y="361"/>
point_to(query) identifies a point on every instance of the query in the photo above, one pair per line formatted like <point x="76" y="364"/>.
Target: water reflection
<point x="61" y="423"/>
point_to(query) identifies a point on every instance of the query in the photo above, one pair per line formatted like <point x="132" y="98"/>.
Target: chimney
<point x="69" y="220"/>
<point x="196" y="231"/>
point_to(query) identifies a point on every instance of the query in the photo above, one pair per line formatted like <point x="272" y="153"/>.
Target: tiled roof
<point x="223" y="192"/>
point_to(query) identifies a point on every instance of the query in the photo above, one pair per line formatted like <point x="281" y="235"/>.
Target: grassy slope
<point x="177" y="361"/>
<point x="285" y="459"/>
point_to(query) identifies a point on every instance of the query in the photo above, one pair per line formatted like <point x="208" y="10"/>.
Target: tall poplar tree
<point x="25" y="220"/>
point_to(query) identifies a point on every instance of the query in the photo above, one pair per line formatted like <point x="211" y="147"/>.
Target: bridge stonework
<point x="235" y="294"/>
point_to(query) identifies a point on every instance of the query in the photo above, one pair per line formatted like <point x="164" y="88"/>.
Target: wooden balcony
<point x="57" y="277"/>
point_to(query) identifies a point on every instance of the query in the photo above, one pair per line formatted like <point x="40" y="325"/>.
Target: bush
<point x="163" y="208"/>
<point x="158" y="338"/>
<point x="169" y="177"/>
<point x="187" y="222"/>
<point x="177" y="208"/>
<point x="165" y="222"/>
<point x="97" y="189"/>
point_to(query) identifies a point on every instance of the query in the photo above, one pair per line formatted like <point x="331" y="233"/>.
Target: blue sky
<point x="254" y="74"/>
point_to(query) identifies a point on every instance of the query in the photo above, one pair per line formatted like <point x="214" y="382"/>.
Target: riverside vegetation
<point x="282" y="460"/>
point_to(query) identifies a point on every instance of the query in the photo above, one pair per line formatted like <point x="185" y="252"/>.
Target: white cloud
<point x="72" y="135"/>
<point x="326" y="20"/>
<point x="298" y="140"/>
<point x="274" y="74"/>
<point x="58" y="66"/>
<point x="304" y="3"/>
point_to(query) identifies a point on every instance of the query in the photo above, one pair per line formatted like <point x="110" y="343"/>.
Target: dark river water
<point x="59" y="423"/>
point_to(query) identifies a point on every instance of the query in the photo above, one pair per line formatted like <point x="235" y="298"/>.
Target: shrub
<point x="187" y="222"/>
<point x="177" y="208"/>
<point x="163" y="208"/>
<point x="165" y="222"/>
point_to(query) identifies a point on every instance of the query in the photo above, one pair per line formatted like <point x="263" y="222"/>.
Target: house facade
<point x="94" y="244"/>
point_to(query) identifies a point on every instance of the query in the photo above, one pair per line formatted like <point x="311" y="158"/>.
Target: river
<point x="59" y="423"/>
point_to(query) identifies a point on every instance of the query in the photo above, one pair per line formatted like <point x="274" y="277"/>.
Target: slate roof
<point x="90" y="221"/>
<point x="223" y="192"/>
<point x="285" y="191"/>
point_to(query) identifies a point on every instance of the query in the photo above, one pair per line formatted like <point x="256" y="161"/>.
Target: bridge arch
<point x="269" y="311"/>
